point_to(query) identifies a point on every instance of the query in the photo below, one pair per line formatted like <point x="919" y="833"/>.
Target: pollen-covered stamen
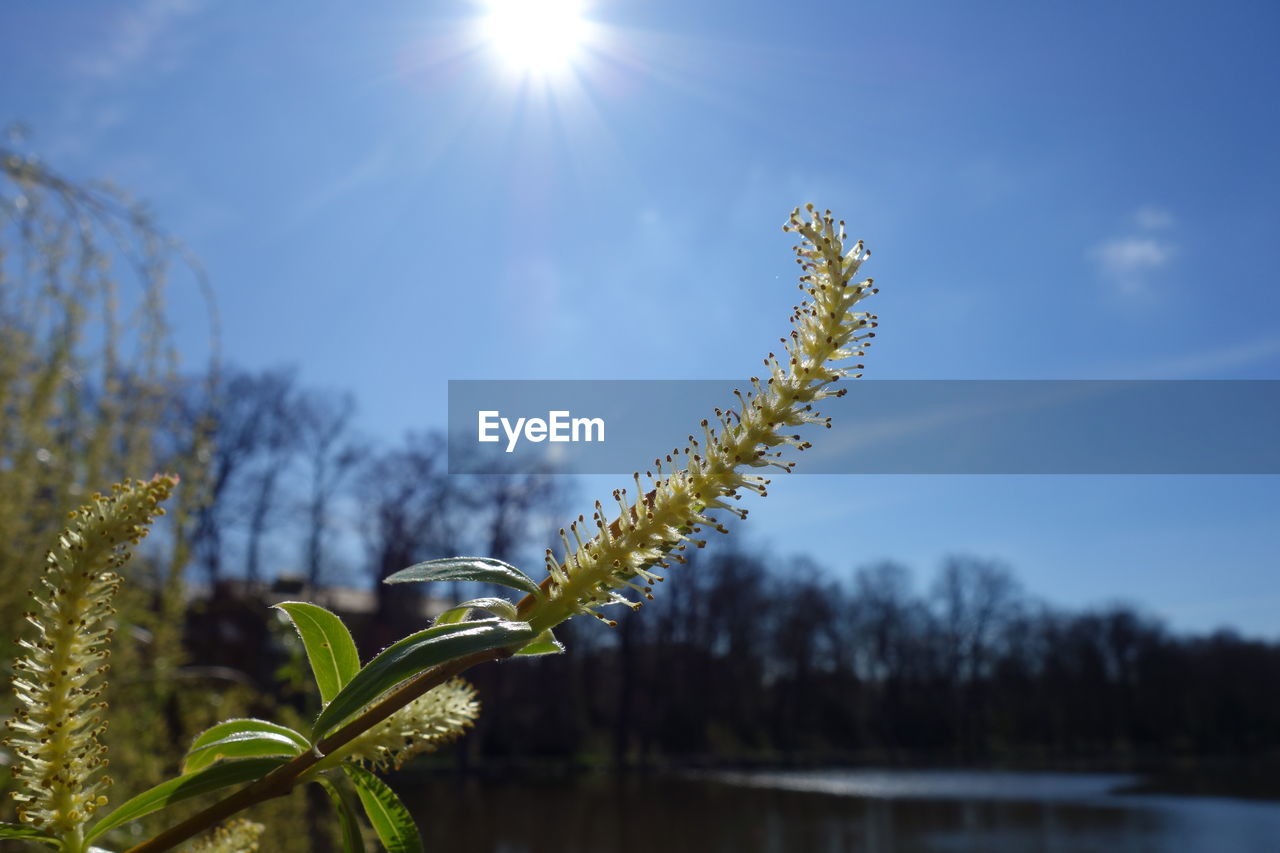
<point x="663" y="518"/>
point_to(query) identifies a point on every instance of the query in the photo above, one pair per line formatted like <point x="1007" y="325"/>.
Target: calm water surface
<point x="868" y="811"/>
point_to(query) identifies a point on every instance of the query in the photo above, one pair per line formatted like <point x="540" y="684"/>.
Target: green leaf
<point x="17" y="830"/>
<point x="227" y="729"/>
<point x="391" y="820"/>
<point x="545" y="644"/>
<point x="332" y="652"/>
<point x="459" y="613"/>
<point x="352" y="840"/>
<point x="412" y="655"/>
<point x="241" y="745"/>
<point x="480" y="569"/>
<point x="184" y="787"/>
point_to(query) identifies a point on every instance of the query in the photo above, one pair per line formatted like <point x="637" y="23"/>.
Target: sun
<point x="539" y="37"/>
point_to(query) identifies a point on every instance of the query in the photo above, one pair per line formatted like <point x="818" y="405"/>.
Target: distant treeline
<point x="738" y="661"/>
<point x="739" y="657"/>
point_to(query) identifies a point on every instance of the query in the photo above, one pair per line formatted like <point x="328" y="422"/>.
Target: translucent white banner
<point x="884" y="426"/>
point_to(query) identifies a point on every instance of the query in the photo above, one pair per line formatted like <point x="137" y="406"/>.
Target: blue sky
<point x="1076" y="191"/>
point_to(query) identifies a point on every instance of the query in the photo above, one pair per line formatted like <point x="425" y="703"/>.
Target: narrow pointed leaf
<point x="545" y="644"/>
<point x="412" y="655"/>
<point x="482" y="569"/>
<point x="352" y="840"/>
<point x="28" y="833"/>
<point x="332" y="652"/>
<point x="184" y="787"/>
<point x="390" y="819"/>
<point x="232" y="727"/>
<point x="496" y="606"/>
<point x="240" y="745"/>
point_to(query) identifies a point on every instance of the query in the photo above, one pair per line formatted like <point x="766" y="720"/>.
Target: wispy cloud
<point x="1128" y="261"/>
<point x="358" y="176"/>
<point x="1215" y="363"/>
<point x="135" y="38"/>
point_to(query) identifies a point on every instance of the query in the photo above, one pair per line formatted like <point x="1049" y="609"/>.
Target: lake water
<point x="868" y="811"/>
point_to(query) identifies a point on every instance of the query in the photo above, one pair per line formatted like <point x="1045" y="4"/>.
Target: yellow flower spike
<point x="237" y="836"/>
<point x="56" y="730"/>
<point x="438" y="717"/>
<point x="671" y="503"/>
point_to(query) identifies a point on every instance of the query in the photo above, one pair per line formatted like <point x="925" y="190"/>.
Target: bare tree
<point x="882" y="605"/>
<point x="975" y="600"/>
<point x="278" y="445"/>
<point x="324" y="426"/>
<point x="250" y="436"/>
<point x="510" y="505"/>
<point x="412" y="511"/>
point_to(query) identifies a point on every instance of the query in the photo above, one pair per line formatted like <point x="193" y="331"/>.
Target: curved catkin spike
<point x="826" y="330"/>
<point x="237" y="836"/>
<point x="56" y="729"/>
<point x="437" y="717"/>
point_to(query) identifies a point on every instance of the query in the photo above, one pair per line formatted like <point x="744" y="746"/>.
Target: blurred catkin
<point x="56" y="731"/>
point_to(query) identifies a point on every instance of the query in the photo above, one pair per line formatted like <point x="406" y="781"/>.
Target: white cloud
<point x="1133" y="254"/>
<point x="1128" y="260"/>
<point x="1151" y="217"/>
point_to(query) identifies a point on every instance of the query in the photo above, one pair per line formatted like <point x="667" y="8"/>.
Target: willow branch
<point x="280" y="781"/>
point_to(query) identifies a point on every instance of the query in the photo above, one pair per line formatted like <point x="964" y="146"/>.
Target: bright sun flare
<point x="535" y="36"/>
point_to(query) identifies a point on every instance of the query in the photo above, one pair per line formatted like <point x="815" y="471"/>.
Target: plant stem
<point x="280" y="781"/>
